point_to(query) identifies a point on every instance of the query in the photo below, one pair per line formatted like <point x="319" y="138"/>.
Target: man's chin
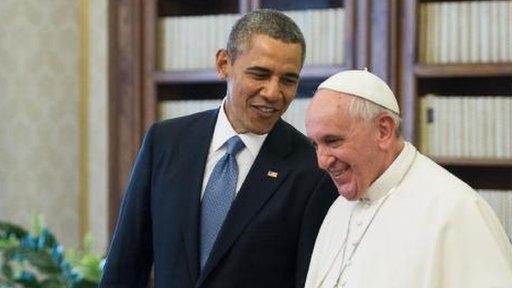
<point x="261" y="129"/>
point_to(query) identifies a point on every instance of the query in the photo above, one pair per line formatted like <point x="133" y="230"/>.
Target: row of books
<point x="465" y="32"/>
<point x="466" y="127"/>
<point x="501" y="202"/>
<point x="295" y="115"/>
<point x="190" y="42"/>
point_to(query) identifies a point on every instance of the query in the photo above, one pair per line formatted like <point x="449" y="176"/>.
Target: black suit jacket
<point x="268" y="234"/>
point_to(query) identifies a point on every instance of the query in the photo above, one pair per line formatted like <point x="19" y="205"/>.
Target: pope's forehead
<point x="326" y="99"/>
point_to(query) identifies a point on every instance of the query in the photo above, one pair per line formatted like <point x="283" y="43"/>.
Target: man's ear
<point x="387" y="131"/>
<point x="223" y="63"/>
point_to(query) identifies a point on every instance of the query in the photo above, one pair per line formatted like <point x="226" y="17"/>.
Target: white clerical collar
<point x="393" y="174"/>
<point x="223" y="131"/>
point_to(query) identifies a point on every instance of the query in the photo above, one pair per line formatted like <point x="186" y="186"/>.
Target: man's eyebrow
<point x="257" y="69"/>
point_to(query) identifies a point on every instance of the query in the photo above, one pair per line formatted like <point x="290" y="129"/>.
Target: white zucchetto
<point x="363" y="84"/>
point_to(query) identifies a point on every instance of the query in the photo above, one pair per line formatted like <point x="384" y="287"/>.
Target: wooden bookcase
<point x="371" y="39"/>
<point x="418" y="79"/>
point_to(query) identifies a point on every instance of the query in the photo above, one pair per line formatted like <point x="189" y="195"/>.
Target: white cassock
<point x="417" y="226"/>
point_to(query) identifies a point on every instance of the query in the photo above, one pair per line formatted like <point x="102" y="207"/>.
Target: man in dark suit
<point x="230" y="197"/>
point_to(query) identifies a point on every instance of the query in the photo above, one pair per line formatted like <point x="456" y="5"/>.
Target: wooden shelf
<point x="463" y="70"/>
<point x="210" y="75"/>
<point x="186" y="76"/>
<point x="449" y="161"/>
<point x="321" y="71"/>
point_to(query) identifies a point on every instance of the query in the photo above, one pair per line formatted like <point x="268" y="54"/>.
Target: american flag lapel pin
<point x="272" y="174"/>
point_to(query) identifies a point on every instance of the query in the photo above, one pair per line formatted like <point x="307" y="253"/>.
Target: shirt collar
<point x="393" y="174"/>
<point x="223" y="131"/>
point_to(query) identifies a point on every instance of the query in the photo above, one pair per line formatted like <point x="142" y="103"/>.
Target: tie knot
<point x="235" y="144"/>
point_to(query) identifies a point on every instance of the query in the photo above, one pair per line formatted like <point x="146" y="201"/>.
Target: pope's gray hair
<point x="368" y="111"/>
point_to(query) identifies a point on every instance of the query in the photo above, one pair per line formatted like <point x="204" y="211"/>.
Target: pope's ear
<point x="222" y="63"/>
<point x="387" y="130"/>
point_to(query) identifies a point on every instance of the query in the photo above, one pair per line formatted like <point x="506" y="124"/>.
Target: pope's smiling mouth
<point x="338" y="173"/>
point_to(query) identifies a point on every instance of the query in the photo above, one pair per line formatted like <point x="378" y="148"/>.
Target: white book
<point x="504" y="25"/>
<point x="437" y="141"/>
<point x="433" y="135"/>
<point x="160" y="43"/>
<point x="201" y="45"/>
<point x="216" y="36"/>
<point x="499" y="125"/>
<point x="443" y="132"/>
<point x="465" y="31"/>
<point x="426" y="124"/>
<point x="331" y="37"/>
<point x="507" y="111"/>
<point x="423" y="40"/>
<point x="457" y="126"/>
<point x="494" y="25"/>
<point x="186" y="58"/>
<point x="436" y="33"/>
<point x="466" y="128"/>
<point x="445" y="32"/>
<point x="489" y="127"/>
<point x="340" y="36"/>
<point x="473" y="126"/>
<point x="210" y="35"/>
<point x="451" y="133"/>
<point x="170" y="43"/>
<point x="313" y="33"/>
<point x="481" y="135"/>
<point x="509" y="38"/>
<point x="306" y="20"/>
<point x="485" y="32"/>
<point x="475" y="32"/>
<point x="319" y="38"/>
<point x="178" y="108"/>
<point x="181" y="61"/>
<point x="176" y="49"/>
<point x="454" y="32"/>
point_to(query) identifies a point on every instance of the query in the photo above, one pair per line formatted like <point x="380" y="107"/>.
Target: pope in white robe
<point x="402" y="221"/>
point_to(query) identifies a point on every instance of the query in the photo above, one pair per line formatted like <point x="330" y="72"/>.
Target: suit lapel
<point x="265" y="176"/>
<point x="193" y="150"/>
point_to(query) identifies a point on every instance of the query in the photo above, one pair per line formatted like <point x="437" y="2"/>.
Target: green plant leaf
<point x="8" y="230"/>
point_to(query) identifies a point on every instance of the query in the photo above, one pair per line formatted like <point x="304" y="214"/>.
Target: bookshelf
<point x="138" y="84"/>
<point x="452" y="76"/>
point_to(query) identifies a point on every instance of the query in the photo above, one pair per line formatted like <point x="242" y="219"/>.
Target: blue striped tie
<point x="218" y="195"/>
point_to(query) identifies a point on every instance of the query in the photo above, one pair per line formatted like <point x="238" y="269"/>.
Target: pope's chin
<point x="347" y="190"/>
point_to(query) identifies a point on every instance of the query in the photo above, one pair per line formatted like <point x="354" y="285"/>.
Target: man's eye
<point x="289" y="81"/>
<point x="258" y="75"/>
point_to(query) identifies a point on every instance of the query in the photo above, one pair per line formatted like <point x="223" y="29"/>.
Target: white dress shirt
<point x="245" y="158"/>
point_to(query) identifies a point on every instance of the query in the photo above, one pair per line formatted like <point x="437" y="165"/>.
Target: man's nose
<point x="272" y="89"/>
